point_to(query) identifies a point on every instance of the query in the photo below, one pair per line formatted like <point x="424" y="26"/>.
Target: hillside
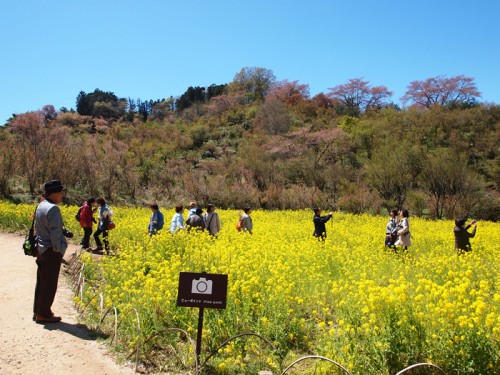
<point x="234" y="145"/>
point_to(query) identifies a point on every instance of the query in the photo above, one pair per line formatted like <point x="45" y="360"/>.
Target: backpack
<point x="108" y="222"/>
<point x="239" y="225"/>
<point x="77" y="216"/>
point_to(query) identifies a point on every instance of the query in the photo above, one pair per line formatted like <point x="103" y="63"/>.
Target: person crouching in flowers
<point x="462" y="236"/>
<point x="404" y="230"/>
<point x="391" y="230"/>
<point x="177" y="222"/>
<point x="156" y="221"/>
<point x="196" y="221"/>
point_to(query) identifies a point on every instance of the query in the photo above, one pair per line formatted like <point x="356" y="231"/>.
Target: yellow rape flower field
<point x="348" y="299"/>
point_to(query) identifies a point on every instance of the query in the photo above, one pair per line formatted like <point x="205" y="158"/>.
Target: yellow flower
<point x="346" y="296"/>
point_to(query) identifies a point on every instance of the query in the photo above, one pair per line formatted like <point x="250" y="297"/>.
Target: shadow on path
<point x="78" y="330"/>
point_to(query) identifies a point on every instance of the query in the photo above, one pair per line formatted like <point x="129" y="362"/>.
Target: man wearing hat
<point x="319" y="224"/>
<point x="51" y="248"/>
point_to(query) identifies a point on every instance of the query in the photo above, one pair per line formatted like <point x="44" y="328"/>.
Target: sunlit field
<point x="348" y="299"/>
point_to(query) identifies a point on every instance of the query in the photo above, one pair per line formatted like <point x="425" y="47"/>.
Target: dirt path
<point x="28" y="348"/>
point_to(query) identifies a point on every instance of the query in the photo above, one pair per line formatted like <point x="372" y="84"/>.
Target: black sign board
<point x="202" y="290"/>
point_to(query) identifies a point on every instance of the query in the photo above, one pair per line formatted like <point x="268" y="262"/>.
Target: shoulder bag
<point x="29" y="244"/>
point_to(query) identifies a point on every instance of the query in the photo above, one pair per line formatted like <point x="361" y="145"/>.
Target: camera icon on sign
<point x="201" y="286"/>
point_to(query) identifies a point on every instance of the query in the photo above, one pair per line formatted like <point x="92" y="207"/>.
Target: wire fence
<point x="75" y="270"/>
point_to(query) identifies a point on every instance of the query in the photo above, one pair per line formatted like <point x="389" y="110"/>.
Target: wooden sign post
<point x="202" y="290"/>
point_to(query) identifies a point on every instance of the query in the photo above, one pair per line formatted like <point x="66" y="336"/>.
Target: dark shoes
<point x="99" y="250"/>
<point x="43" y="319"/>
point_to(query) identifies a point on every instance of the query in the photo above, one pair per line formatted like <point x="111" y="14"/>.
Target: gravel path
<point x="28" y="348"/>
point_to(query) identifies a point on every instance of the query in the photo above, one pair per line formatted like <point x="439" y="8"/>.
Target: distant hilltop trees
<point x="255" y="84"/>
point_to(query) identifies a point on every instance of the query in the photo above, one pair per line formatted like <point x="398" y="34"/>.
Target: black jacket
<point x="319" y="225"/>
<point x="462" y="237"/>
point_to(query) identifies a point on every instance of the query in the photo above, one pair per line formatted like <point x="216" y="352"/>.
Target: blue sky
<point x="152" y="49"/>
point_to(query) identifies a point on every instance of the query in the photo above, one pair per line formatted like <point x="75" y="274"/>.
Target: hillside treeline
<point x="267" y="144"/>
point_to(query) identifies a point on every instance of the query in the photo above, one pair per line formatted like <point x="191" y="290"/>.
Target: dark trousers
<point x="98" y="242"/>
<point x="320" y="237"/>
<point x="47" y="275"/>
<point x="87" y="232"/>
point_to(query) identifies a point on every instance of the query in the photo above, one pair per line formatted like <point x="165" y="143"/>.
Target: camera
<point x="67" y="233"/>
<point x="201" y="286"/>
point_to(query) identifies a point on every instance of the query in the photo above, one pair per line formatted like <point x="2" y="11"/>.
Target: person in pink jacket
<point x="86" y="221"/>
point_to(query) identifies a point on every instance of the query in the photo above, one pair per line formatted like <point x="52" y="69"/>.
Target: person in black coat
<point x="196" y="221"/>
<point x="319" y="224"/>
<point x="462" y="236"/>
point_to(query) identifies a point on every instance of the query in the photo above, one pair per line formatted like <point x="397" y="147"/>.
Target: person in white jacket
<point x="177" y="222"/>
<point x="404" y="230"/>
<point x="246" y="220"/>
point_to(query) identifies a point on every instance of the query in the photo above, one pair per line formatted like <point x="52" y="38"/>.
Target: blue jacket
<point x="160" y="221"/>
<point x="104" y="217"/>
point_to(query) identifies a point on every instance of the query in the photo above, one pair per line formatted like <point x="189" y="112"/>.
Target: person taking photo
<point x="319" y="224"/>
<point x="462" y="236"/>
